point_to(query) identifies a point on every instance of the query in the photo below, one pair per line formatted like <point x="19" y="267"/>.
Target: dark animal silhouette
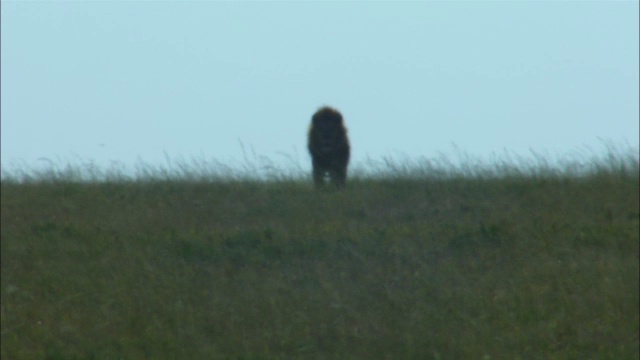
<point x="329" y="147"/>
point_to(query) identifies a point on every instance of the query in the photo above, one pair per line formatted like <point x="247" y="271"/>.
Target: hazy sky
<point x="125" y="81"/>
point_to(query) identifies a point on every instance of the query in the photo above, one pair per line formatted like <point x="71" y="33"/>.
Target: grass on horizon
<point x="467" y="263"/>
<point x="612" y="158"/>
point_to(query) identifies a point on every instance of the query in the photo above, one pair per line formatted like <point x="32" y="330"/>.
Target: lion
<point x="329" y="147"/>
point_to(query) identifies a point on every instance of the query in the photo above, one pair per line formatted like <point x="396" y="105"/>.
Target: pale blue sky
<point x="126" y="80"/>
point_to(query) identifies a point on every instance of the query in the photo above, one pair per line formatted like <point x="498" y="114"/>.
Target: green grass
<point x="499" y="263"/>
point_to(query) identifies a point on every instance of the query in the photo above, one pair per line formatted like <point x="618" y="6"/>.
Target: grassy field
<point x="466" y="265"/>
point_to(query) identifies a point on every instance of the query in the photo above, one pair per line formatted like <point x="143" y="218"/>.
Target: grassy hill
<point x="535" y="265"/>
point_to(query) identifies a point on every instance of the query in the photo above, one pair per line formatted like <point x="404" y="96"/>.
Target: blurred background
<point x="146" y="81"/>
